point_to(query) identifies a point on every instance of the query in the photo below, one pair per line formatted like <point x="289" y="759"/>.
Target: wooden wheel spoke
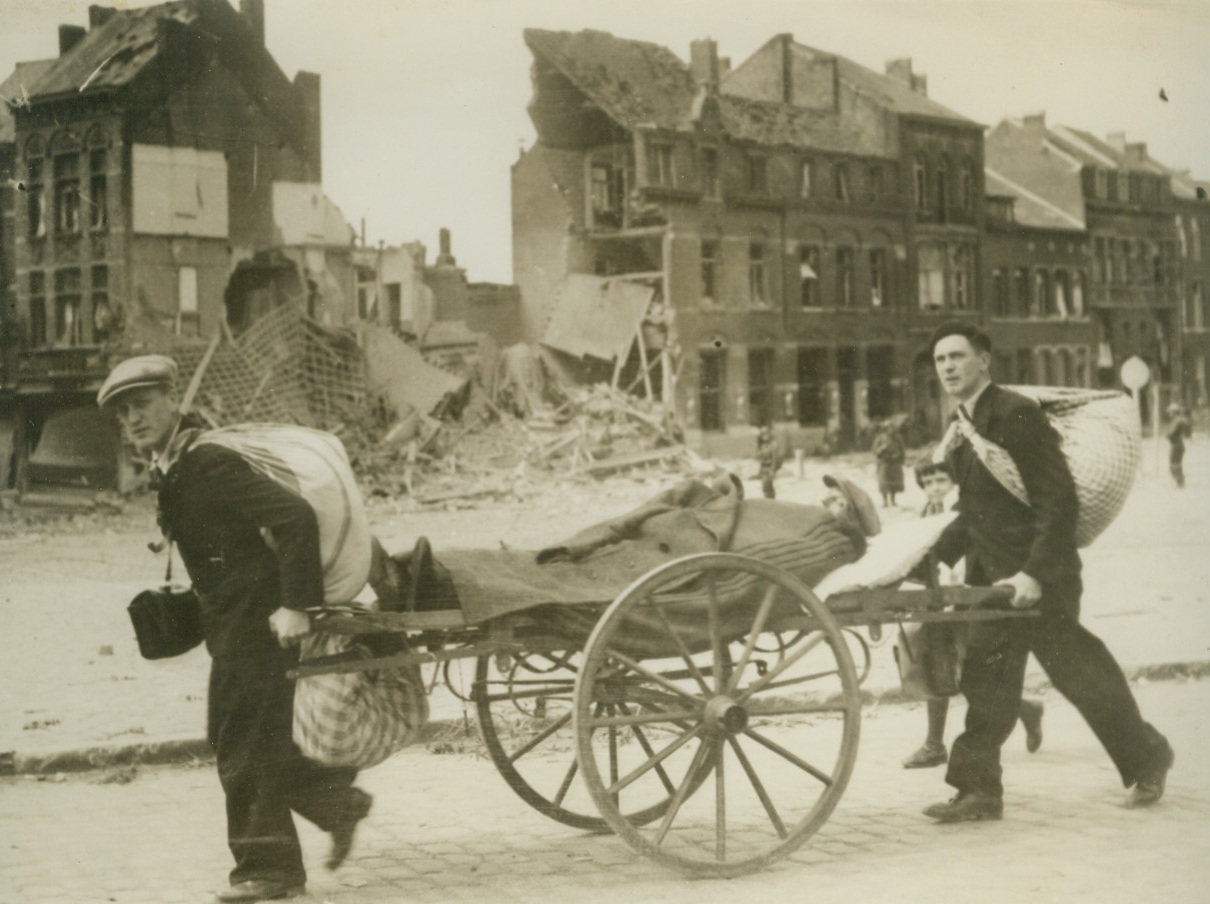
<point x="793" y="708"/>
<point x="565" y="785"/>
<point x="684" y="651"/>
<point x="650" y="751"/>
<point x="653" y="761"/>
<point x="787" y="755"/>
<point x="539" y="737"/>
<point x="758" y="787"/>
<point x="680" y="719"/>
<point x="802" y="679"/>
<point x="682" y="792"/>
<point x="659" y="679"/>
<point x="715" y="629"/>
<point x="720" y="805"/>
<point x="758" y="626"/>
<point x="770" y="676"/>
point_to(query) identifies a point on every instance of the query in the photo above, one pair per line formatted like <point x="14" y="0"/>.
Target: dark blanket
<point x="596" y="565"/>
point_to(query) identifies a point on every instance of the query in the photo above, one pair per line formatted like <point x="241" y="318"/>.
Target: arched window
<point x="35" y="173"/>
<point x="943" y="182"/>
<point x="758" y="285"/>
<point x="844" y="276"/>
<point x="967" y="194"/>
<point x="1041" y="303"/>
<point x="1077" y="295"/>
<point x="808" y="273"/>
<point x="65" y="164"/>
<point x="922" y="184"/>
<point x="1022" y="292"/>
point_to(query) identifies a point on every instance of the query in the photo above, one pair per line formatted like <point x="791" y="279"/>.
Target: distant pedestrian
<point x="1179" y="430"/>
<point x="889" y="454"/>
<point x="935" y="479"/>
<point x="768" y="456"/>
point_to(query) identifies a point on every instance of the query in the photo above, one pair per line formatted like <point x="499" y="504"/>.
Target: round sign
<point x="1135" y="373"/>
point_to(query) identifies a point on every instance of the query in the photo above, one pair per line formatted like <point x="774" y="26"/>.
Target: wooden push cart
<point x="709" y="715"/>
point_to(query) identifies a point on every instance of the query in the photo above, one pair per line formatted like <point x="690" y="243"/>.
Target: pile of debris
<point x="489" y="452"/>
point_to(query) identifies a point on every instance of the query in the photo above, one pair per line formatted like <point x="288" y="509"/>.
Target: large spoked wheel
<point x="754" y="749"/>
<point x="524" y="706"/>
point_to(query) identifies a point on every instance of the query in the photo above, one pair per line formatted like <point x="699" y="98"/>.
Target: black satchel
<point x="167" y="622"/>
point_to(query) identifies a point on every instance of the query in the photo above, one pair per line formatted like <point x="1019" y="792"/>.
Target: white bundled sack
<point x="1100" y="438"/>
<point x="312" y="464"/>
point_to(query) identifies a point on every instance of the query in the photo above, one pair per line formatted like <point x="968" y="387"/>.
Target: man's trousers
<point x="1079" y="666"/>
<point x="263" y="774"/>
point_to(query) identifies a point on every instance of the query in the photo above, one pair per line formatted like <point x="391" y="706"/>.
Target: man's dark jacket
<point x="998" y="534"/>
<point x="214" y="505"/>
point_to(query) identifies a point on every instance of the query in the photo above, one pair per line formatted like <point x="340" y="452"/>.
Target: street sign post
<point x="1135" y="375"/>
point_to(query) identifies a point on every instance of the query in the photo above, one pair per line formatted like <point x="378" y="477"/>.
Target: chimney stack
<point x="306" y="89"/>
<point x="69" y="37"/>
<point x="1117" y="140"/>
<point x="901" y="71"/>
<point x="1136" y="152"/>
<point x="703" y="63"/>
<point x="253" y="12"/>
<point x="1035" y="122"/>
<point x="99" y="15"/>
<point x="444" y="257"/>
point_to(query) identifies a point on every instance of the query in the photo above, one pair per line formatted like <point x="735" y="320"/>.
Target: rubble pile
<point x="488" y="452"/>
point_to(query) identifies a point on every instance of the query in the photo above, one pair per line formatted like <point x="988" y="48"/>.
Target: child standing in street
<point x="937" y="482"/>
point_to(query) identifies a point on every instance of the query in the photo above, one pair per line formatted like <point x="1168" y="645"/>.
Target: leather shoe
<point x="928" y="755"/>
<point x="259" y="890"/>
<point x="1150" y="786"/>
<point x="968" y="807"/>
<point x="342" y="835"/>
<point x="1031" y="719"/>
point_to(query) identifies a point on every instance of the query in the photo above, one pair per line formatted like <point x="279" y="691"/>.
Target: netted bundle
<point x="1099" y="433"/>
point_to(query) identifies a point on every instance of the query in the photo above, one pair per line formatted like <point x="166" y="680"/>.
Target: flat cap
<point x="974" y="335"/>
<point x="133" y="373"/>
<point x="860" y="504"/>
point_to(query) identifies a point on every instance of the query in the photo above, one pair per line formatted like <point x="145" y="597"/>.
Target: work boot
<point x="1150" y="786"/>
<point x="968" y="806"/>
<point x="342" y="835"/>
<point x="1031" y="719"/>
<point x="929" y="754"/>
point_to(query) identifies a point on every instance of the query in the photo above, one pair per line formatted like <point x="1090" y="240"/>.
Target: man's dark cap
<point x="977" y="337"/>
<point x="860" y="503"/>
<point x="136" y="373"/>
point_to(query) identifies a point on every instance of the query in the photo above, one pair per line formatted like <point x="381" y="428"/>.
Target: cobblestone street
<point x="447" y="828"/>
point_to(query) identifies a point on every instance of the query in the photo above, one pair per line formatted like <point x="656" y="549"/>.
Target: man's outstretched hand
<point x="289" y="626"/>
<point x="1026" y="590"/>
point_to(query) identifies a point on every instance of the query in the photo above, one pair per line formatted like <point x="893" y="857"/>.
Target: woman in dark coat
<point x="889" y="453"/>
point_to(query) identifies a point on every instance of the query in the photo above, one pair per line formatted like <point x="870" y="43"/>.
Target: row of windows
<point x="1134" y="188"/>
<point x="1134" y="261"/>
<point x="1047" y="366"/>
<point x="849" y="182"/>
<point x="55" y="318"/>
<point x="66" y="185"/>
<point x="811" y="270"/>
<point x="1037" y="293"/>
<point x="934" y="185"/>
<point x="810" y="401"/>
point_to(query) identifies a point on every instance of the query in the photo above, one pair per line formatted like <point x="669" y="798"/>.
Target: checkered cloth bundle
<point x="1099" y="433"/>
<point x="355" y="718"/>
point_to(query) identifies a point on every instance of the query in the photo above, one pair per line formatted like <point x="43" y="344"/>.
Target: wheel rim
<point x="776" y="730"/>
